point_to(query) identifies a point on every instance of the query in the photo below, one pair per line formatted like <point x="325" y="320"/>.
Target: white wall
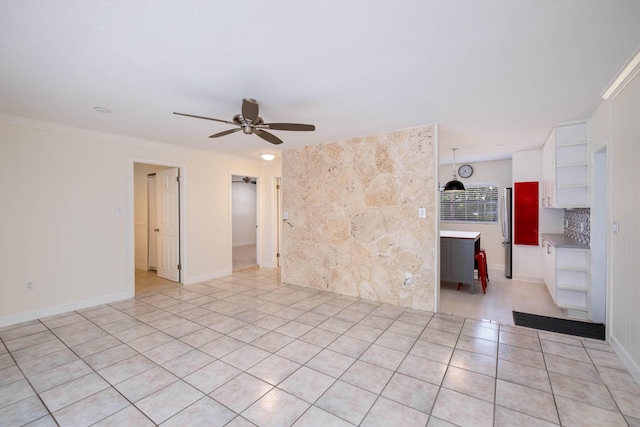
<point x="68" y="222"/>
<point x="498" y="172"/>
<point x="527" y="260"/>
<point x="624" y="174"/>
<point x="243" y="209"/>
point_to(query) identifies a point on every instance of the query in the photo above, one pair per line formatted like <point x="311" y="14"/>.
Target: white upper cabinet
<point x="565" y="167"/>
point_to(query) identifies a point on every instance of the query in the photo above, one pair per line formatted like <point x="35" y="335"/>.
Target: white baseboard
<point x="204" y="277"/>
<point x="63" y="308"/>
<point x="628" y="361"/>
<point x="528" y="279"/>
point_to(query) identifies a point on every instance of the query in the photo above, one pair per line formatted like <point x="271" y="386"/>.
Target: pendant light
<point x="454" y="184"/>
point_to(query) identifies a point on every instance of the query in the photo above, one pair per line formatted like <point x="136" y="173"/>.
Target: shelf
<point x="571" y="144"/>
<point x="572" y="288"/>
<point x="568" y="165"/>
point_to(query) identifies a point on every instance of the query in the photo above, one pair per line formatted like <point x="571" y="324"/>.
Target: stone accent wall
<point x="353" y="225"/>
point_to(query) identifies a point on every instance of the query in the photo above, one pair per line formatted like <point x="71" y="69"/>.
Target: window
<point x="478" y="203"/>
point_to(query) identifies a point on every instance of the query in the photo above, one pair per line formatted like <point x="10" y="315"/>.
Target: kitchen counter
<point x="459" y="234"/>
<point x="562" y="241"/>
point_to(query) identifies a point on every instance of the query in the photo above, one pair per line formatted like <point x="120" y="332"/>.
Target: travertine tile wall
<point x="353" y="225"/>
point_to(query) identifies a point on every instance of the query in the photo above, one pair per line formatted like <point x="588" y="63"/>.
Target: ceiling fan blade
<point x="250" y="109"/>
<point x="226" y="132"/>
<point x="289" y="126"/>
<point x="206" y="118"/>
<point x="268" y="136"/>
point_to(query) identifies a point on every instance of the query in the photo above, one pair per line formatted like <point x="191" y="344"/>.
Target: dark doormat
<point x="563" y="326"/>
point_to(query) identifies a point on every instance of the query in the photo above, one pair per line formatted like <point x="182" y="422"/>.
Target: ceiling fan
<point x="249" y="122"/>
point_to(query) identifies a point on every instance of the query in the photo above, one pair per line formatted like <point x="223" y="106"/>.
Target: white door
<point x="152" y="241"/>
<point x="167" y="196"/>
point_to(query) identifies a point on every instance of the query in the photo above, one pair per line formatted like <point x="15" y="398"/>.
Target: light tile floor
<point x="247" y="350"/>
<point x="502" y="297"/>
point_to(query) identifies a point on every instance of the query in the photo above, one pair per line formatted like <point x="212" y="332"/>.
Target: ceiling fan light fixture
<point x="454" y="184"/>
<point x="268" y="157"/>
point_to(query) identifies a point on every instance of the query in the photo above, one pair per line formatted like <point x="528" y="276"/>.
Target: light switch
<point x="422" y="212"/>
<point x="616" y="227"/>
<point x="285" y="215"/>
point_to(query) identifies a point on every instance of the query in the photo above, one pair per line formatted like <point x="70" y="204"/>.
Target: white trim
<point x="530" y="279"/>
<point x="59" y="309"/>
<point x="623" y="78"/>
<point x="247" y="243"/>
<point x="626" y="359"/>
<point x="204" y="277"/>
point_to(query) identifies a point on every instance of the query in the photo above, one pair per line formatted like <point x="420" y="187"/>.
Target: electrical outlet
<point x="29" y="286"/>
<point x="408" y="277"/>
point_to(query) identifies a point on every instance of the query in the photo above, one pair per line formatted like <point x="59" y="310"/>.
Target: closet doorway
<point x="157" y="226"/>
<point x="244" y="220"/>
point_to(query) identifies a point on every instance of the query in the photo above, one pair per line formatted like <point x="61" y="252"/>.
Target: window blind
<point x="478" y="203"/>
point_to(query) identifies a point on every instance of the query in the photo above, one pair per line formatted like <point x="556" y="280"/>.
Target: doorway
<point x="244" y="225"/>
<point x="598" y="294"/>
<point x="157" y="226"/>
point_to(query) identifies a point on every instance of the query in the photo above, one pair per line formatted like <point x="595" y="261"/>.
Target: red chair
<point x="482" y="270"/>
<point x="486" y="269"/>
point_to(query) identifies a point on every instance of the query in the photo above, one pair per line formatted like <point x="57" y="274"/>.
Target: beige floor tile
<point x="576" y="413"/>
<point x="91" y="409"/>
<point x="330" y="362"/>
<point x="210" y="377"/>
<point x="386" y="412"/>
<point x="423" y="369"/>
<point x="347" y="401"/>
<point x="383" y="356"/>
<point x="432" y="351"/>
<point x="474" y="362"/>
<point x="168" y="401"/>
<point x="367" y="376"/>
<point x="241" y="392"/>
<point x="470" y="383"/>
<point x="521" y="355"/>
<point x="307" y="384"/>
<point x="22" y="412"/>
<point x="274" y="369"/>
<point x="505" y="417"/>
<point x="276" y="408"/>
<point x="316" y="417"/>
<point x="526" y="400"/>
<point x="462" y="410"/>
<point x="412" y="392"/>
<point x="146" y="383"/>
<point x="73" y="391"/>
<point x="299" y="351"/>
<point x="129" y="416"/>
<point x="530" y="342"/>
<point x="349" y="346"/>
<point x="205" y="411"/>
<point x="582" y="391"/>
<point x="524" y="375"/>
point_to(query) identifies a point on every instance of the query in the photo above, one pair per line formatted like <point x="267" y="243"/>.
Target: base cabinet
<point x="566" y="274"/>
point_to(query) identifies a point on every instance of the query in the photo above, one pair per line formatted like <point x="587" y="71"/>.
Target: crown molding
<point x="624" y="77"/>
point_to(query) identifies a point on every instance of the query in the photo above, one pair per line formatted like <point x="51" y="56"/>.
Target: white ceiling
<point x="495" y="74"/>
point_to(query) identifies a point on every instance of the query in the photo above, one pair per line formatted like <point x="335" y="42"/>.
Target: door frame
<point x="259" y="222"/>
<point x="131" y="240"/>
